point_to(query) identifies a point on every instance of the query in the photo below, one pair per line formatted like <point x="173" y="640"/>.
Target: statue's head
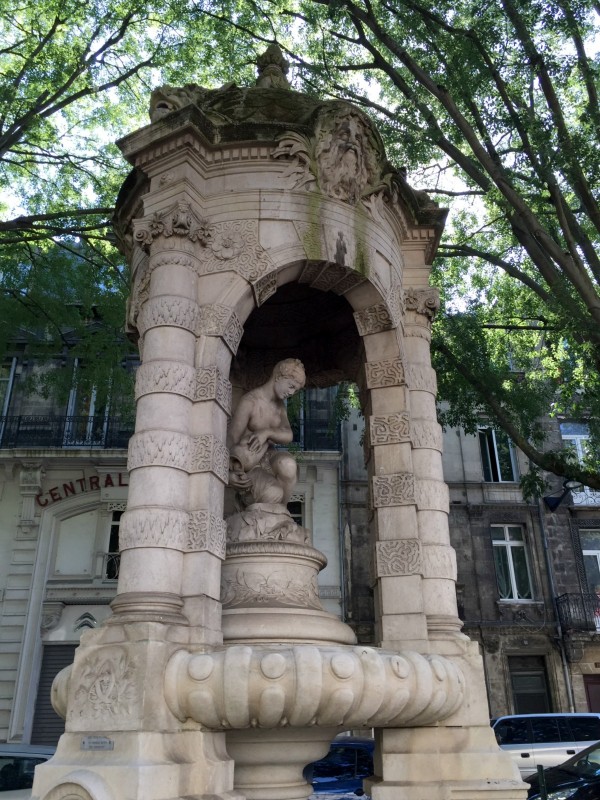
<point x="289" y="377"/>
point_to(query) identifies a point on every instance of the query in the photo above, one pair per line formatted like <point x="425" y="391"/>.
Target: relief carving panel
<point x="235" y="246"/>
<point x="106" y="685"/>
<point x="153" y="527"/>
<point x="210" y="455"/>
<point x="160" y="448"/>
<point x="398" y="557"/>
<point x="397" y="489"/>
<point x="426" y="434"/>
<point x="384" y="373"/>
<point x="219" y="320"/>
<point x="264" y="287"/>
<point x="211" y="384"/>
<point x="167" y="310"/>
<point x="422" y="378"/>
<point x="374" y="319"/>
<point x="206" y="532"/>
<point x="275" y="589"/>
<point x="165" y="376"/>
<point x="389" y="428"/>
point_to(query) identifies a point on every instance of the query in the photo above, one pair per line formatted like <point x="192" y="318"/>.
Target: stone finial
<point x="272" y="69"/>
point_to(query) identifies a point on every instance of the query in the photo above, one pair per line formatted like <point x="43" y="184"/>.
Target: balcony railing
<point x="110" y="566"/>
<point x="103" y="432"/>
<point x="316" y="434"/>
<point x="114" y="432"/>
<point x="579" y="612"/>
<point x="585" y="497"/>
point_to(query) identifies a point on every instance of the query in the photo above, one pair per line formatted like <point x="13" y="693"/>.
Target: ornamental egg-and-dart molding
<point x="304" y="685"/>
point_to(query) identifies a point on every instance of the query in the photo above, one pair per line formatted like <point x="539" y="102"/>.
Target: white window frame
<point x="509" y="545"/>
<point x="584" y="496"/>
<point x="484" y="429"/>
<point x="69" y="440"/>
<point x="10" y="381"/>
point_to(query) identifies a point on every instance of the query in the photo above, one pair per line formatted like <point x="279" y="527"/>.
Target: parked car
<point x="578" y="778"/>
<point x="348" y="763"/>
<point x="17" y="765"/>
<point x="545" y="739"/>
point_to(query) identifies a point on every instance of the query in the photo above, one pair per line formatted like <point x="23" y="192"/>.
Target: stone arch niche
<point x="261" y="224"/>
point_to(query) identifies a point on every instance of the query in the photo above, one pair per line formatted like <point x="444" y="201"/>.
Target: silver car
<point x="545" y="739"/>
<point x="17" y="765"/>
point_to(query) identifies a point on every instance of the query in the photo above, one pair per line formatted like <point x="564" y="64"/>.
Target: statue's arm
<point x="283" y="434"/>
<point x="239" y="422"/>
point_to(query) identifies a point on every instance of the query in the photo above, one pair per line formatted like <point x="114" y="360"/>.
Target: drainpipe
<point x="559" y="631"/>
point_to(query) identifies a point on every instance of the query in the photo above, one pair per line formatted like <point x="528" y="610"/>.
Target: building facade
<point x="527" y="576"/>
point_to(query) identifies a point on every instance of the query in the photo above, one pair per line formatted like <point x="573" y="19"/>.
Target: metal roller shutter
<point x="47" y="725"/>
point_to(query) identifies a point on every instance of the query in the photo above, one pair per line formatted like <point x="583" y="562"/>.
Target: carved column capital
<point x="421" y="307"/>
<point x="178" y="220"/>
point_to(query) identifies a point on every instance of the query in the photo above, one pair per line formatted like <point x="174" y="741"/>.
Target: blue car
<point x="348" y="763"/>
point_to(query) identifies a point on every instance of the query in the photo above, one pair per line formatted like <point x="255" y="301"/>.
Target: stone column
<point x="401" y="621"/>
<point x="122" y="740"/>
<point x="219" y="332"/>
<point x="438" y="557"/>
<point x="162" y="451"/>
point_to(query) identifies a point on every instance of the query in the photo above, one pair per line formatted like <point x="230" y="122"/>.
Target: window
<point x="530" y="693"/>
<point x="512" y="731"/>
<point x="16" y="773"/>
<point x="510" y="560"/>
<point x="7" y="375"/>
<point x="497" y="456"/>
<point x="575" y="435"/>
<point x="585" y="729"/>
<point x="296" y="509"/>
<point x="590" y="548"/>
<point x="112" y="558"/>
<point x="87" y="416"/>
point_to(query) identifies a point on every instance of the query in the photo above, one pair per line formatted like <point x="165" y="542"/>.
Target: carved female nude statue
<point x="263" y="476"/>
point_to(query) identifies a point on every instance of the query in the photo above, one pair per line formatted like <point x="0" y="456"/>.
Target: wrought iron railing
<point x="585" y="497"/>
<point x="579" y="612"/>
<point x="37" y="430"/>
<point x="110" y="566"/>
<point x="316" y="434"/>
<point x="105" y="432"/>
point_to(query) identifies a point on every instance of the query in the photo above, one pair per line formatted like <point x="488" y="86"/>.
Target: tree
<point x="492" y="106"/>
<point x="497" y="103"/>
<point x="75" y="75"/>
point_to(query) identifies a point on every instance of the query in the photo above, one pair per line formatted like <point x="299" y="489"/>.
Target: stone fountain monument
<point x="272" y="246"/>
